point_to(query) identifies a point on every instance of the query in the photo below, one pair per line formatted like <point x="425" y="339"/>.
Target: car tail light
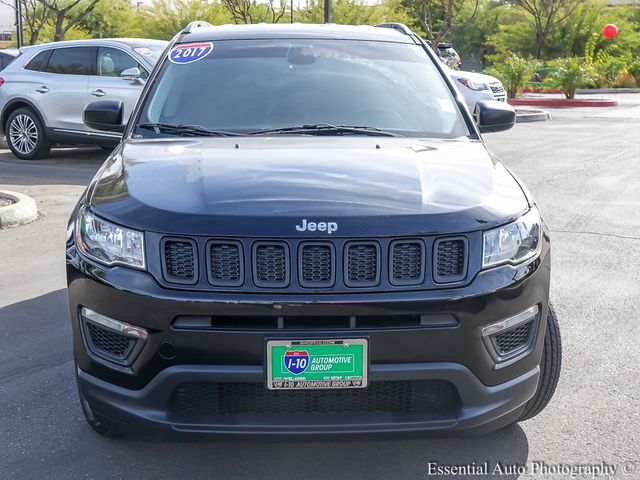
<point x="1" y="81"/>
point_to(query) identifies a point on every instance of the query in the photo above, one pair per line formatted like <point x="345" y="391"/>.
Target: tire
<point x="549" y="369"/>
<point x="26" y="135"/>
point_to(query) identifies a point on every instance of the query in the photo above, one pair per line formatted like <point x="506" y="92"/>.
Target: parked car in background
<point x="448" y="55"/>
<point x="7" y="55"/>
<point x="476" y="87"/>
<point x="44" y="91"/>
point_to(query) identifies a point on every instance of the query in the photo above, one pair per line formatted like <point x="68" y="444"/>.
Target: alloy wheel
<point x="23" y="134"/>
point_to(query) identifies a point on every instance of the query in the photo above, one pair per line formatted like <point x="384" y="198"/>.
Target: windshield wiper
<point x="328" y="129"/>
<point x="191" y="130"/>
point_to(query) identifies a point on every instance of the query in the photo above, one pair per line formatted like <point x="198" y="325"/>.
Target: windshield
<point x="246" y="86"/>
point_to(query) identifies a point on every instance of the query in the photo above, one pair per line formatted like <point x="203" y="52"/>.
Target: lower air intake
<point x="433" y="398"/>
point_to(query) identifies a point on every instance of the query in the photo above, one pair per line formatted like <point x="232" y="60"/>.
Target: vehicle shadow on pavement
<point x="65" y="166"/>
<point x="379" y="459"/>
<point x="44" y="434"/>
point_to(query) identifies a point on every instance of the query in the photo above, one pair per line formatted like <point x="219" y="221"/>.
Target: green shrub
<point x="571" y="74"/>
<point x="607" y="68"/>
<point x="514" y="71"/>
<point x="634" y="70"/>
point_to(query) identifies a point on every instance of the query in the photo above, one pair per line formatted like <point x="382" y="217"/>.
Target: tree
<point x="438" y="17"/>
<point x="546" y="15"/>
<point x="472" y="41"/>
<point x="355" y="12"/>
<point x="34" y="17"/>
<point x="164" y="18"/>
<point x="65" y="14"/>
<point x="249" y="11"/>
<point x="109" y="19"/>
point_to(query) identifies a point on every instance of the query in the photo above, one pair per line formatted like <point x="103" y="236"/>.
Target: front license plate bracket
<point x="317" y="364"/>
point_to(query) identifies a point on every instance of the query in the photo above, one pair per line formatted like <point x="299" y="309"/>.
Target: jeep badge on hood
<point x="328" y="227"/>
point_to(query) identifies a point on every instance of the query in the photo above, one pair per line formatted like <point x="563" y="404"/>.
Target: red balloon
<point x="610" y="31"/>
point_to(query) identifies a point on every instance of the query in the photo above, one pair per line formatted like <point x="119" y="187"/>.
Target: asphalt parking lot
<point x="584" y="169"/>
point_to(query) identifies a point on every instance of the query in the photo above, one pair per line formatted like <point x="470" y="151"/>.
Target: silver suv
<point x="43" y="92"/>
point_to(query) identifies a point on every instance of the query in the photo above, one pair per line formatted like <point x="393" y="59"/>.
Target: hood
<point x="265" y="186"/>
<point x="474" y="77"/>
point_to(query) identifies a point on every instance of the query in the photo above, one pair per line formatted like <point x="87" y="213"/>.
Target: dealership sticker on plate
<point x="190" y="52"/>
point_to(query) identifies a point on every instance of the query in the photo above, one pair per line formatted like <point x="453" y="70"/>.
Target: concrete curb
<point x="525" y="115"/>
<point x="22" y="211"/>
<point x="561" y="102"/>
<point x="596" y="91"/>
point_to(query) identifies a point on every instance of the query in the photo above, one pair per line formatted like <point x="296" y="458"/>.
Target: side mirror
<point x="493" y="116"/>
<point x="105" y="115"/>
<point x="131" y="74"/>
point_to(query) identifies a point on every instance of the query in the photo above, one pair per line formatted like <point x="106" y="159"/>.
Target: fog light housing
<point x="109" y="341"/>
<point x="512" y="338"/>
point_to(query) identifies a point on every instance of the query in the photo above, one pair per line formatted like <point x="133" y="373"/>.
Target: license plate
<point x="305" y="364"/>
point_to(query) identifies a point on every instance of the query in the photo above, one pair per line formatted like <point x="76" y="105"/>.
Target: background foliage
<point x="486" y="33"/>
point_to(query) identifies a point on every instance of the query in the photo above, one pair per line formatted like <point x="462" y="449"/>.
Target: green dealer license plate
<point x="295" y="364"/>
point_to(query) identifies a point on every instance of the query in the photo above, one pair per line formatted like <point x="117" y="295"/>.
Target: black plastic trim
<point x="345" y="263"/>
<point x="287" y="265"/>
<point x="171" y="278"/>
<point x="423" y="255"/>
<point x="121" y="364"/>
<point x="227" y="283"/>
<point x="450" y="278"/>
<point x="303" y="283"/>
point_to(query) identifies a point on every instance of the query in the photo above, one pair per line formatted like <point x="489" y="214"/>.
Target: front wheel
<point x="26" y="135"/>
<point x="549" y="369"/>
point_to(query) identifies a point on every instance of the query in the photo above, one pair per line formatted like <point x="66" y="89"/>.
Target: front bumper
<point x="143" y="413"/>
<point x="138" y="400"/>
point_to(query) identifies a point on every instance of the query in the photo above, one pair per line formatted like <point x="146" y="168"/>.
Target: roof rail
<point x="400" y="27"/>
<point x="194" y="25"/>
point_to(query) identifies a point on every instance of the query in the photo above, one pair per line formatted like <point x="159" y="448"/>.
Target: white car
<point x="476" y="87"/>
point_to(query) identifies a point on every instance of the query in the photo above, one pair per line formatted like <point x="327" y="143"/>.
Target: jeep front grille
<point x="271" y="264"/>
<point x="179" y="260"/>
<point x="326" y="265"/>
<point x="225" y="263"/>
<point x="450" y="260"/>
<point x="317" y="265"/>
<point x="406" y="261"/>
<point x="362" y="268"/>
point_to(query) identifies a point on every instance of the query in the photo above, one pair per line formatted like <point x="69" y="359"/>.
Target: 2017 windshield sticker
<point x="190" y="52"/>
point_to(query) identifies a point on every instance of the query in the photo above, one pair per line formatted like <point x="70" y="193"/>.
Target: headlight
<point x="513" y="243"/>
<point x="473" y="85"/>
<point x="108" y="243"/>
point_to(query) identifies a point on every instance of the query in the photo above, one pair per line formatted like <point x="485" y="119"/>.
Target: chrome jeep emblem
<point x="307" y="226"/>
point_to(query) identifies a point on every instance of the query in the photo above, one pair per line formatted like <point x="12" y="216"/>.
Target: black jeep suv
<point x="302" y="233"/>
